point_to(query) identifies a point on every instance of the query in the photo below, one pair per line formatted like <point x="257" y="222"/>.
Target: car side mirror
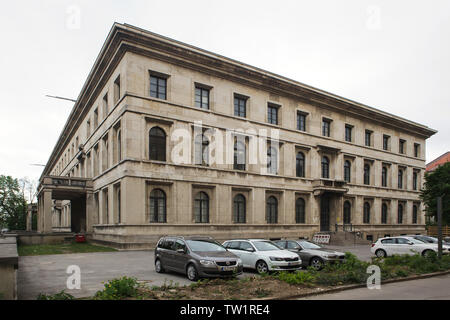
<point x="410" y="243"/>
<point x="300" y="249"/>
<point x="181" y="251"/>
<point x="250" y="250"/>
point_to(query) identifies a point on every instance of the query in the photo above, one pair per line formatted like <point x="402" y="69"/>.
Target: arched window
<point x="300" y="216"/>
<point x="384" y="177"/>
<point x="201" y="208"/>
<point x="239" y="209"/>
<point x="415" y="212"/>
<point x="366" y="174"/>
<point x="157" y="206"/>
<point x="347" y="169"/>
<point x="272" y="160"/>
<point x="201" y="150"/>
<point x="119" y="146"/>
<point x="325" y="168"/>
<point x="157" y="144"/>
<point x="272" y="210"/>
<point x="400" y="178"/>
<point x="400" y="214"/>
<point x="300" y="165"/>
<point x="347" y="212"/>
<point x="366" y="217"/>
<point x="239" y="155"/>
<point x="384" y="213"/>
<point x="119" y="202"/>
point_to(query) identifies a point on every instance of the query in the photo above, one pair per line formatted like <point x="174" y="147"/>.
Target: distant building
<point x="439" y="161"/>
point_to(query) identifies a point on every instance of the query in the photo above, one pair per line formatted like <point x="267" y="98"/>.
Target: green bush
<point x="297" y="277"/>
<point x="62" y="295"/>
<point x="116" y="289"/>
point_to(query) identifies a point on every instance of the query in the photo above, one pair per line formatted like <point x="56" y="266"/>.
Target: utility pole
<point x="439" y="222"/>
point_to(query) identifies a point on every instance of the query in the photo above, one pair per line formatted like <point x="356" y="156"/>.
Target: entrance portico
<point x="329" y="194"/>
<point x="77" y="190"/>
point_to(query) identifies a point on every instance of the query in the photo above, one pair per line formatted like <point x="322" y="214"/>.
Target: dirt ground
<point x="220" y="289"/>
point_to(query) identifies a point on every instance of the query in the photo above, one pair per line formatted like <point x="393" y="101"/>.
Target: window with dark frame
<point x="400" y="214"/>
<point x="272" y="160"/>
<point x="300" y="216"/>
<point x="325" y="168"/>
<point x="158" y="87"/>
<point x="300" y="165"/>
<point x="326" y="127"/>
<point x="385" y="142"/>
<point x="239" y="155"/>
<point x="201" y="150"/>
<point x="239" y="209"/>
<point x="347" y="170"/>
<point x="240" y="106"/>
<point x="272" y="210"/>
<point x="384" y="177"/>
<point x="415" y="214"/>
<point x="202" y="97"/>
<point x="400" y="178"/>
<point x="348" y="133"/>
<point x="347" y="212"/>
<point x="401" y="146"/>
<point x="368" y="138"/>
<point x="157" y="144"/>
<point x="272" y="114"/>
<point x="367" y="174"/>
<point x="301" y="121"/>
<point x="157" y="206"/>
<point x="201" y="208"/>
<point x="384" y="213"/>
<point x="366" y="215"/>
<point x="415" y="180"/>
<point x="416" y="150"/>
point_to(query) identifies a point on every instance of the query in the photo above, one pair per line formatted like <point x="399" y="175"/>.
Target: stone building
<point x="135" y="159"/>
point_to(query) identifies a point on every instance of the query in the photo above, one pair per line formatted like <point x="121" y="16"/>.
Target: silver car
<point x="311" y="254"/>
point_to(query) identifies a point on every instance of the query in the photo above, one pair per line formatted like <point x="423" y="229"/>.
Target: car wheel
<point x="262" y="267"/>
<point x="380" y="253"/>
<point x="427" y="253"/>
<point x="316" y="263"/>
<point x="159" y="267"/>
<point x="192" y="273"/>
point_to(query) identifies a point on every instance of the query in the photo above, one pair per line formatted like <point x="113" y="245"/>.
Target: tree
<point x="13" y="206"/>
<point x="437" y="183"/>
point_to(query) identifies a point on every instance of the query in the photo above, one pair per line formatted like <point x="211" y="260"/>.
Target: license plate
<point x="227" y="268"/>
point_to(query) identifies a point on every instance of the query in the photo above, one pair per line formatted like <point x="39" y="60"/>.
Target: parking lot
<point x="47" y="274"/>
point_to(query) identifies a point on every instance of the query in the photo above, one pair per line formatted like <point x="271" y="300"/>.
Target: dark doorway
<point x="325" y="213"/>
<point x="78" y="214"/>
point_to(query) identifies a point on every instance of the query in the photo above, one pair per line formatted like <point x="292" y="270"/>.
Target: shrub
<point x="62" y="295"/>
<point x="118" y="289"/>
<point x="296" y="277"/>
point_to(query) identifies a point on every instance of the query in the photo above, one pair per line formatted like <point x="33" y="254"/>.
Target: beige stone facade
<point x="105" y="145"/>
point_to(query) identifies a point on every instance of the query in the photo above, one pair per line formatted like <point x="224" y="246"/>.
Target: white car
<point x="263" y="255"/>
<point x="404" y="245"/>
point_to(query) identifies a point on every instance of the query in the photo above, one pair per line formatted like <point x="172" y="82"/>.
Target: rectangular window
<point x="272" y="114"/>
<point x="240" y="106"/>
<point x="416" y="150"/>
<point x="117" y="90"/>
<point x="158" y="87"/>
<point x="401" y="146"/>
<point x="368" y="138"/>
<point x="386" y="142"/>
<point x="105" y="106"/>
<point x="96" y="118"/>
<point x="301" y="121"/>
<point x="348" y="133"/>
<point x="202" y="98"/>
<point x="326" y="126"/>
<point x="415" y="180"/>
<point x="88" y="128"/>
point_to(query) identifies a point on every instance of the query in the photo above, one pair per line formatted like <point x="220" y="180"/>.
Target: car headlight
<point x="239" y="261"/>
<point x="276" y="259"/>
<point x="207" y="262"/>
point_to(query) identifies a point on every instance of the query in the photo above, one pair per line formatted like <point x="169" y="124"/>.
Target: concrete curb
<point x="359" y="285"/>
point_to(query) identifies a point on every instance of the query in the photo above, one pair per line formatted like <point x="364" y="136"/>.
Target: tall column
<point x="29" y="217"/>
<point x="47" y="211"/>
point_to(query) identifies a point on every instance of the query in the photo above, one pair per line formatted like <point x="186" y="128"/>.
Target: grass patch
<point x="47" y="249"/>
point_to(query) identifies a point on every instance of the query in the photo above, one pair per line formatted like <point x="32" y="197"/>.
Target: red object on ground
<point x="80" y="238"/>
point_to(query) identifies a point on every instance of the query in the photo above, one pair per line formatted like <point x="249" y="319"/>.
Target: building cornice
<point x="126" y="38"/>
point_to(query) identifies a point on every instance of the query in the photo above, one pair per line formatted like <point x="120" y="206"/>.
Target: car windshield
<point x="309" y="245"/>
<point x="415" y="241"/>
<point x="265" y="246"/>
<point x="204" y="246"/>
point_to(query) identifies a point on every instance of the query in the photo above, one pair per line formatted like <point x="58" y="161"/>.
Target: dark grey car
<point x="196" y="257"/>
<point x="311" y="254"/>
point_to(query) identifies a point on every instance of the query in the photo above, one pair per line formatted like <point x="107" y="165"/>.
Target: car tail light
<point x="373" y="245"/>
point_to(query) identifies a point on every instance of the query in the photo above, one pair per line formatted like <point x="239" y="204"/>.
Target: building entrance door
<point x="325" y="213"/>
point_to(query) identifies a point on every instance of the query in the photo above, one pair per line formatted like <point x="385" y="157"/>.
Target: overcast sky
<point x="391" y="55"/>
